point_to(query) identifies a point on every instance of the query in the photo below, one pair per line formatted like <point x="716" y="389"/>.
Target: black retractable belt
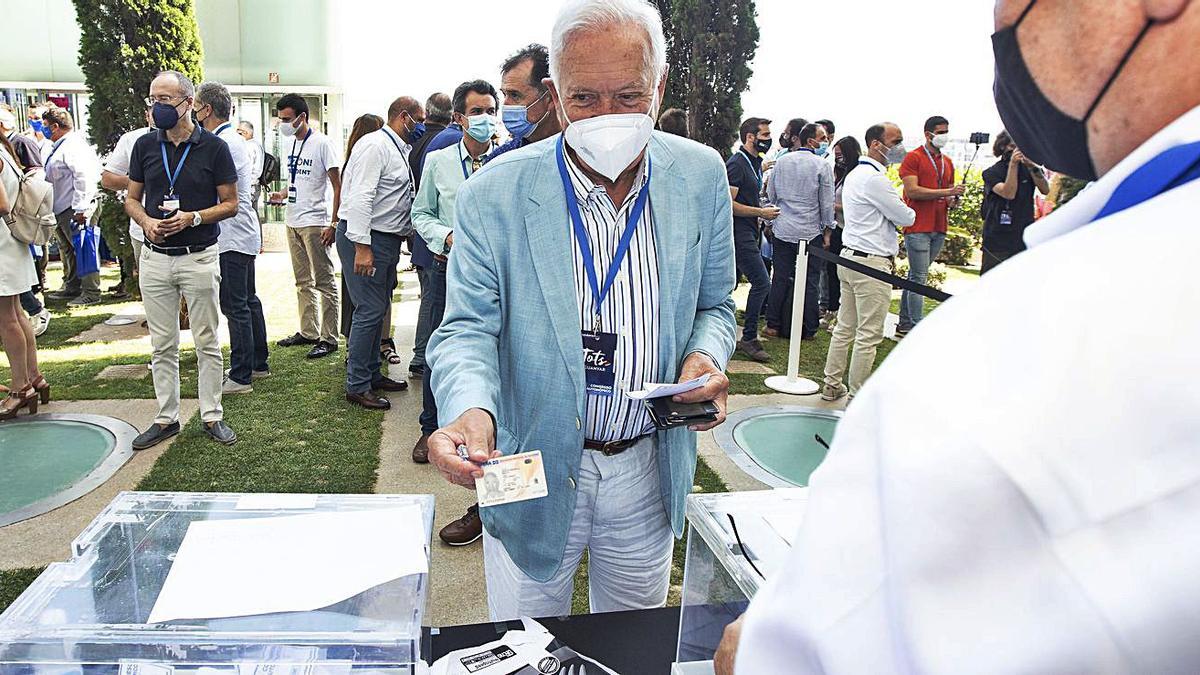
<point x="919" y="289"/>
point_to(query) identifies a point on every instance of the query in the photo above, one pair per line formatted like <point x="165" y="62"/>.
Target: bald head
<point x="1138" y="41"/>
<point x="404" y="116"/>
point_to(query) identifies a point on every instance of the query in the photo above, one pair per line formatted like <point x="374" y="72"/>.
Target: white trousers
<point x="620" y="521"/>
<point x="197" y="278"/>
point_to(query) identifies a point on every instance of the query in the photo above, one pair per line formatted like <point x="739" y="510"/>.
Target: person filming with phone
<point x="1008" y="201"/>
<point x="585" y="268"/>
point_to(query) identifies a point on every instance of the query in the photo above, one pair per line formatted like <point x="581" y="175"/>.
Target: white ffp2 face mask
<point x="940" y="140"/>
<point x="610" y="143"/>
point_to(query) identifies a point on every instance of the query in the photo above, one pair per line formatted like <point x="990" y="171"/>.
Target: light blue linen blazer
<point x="510" y="340"/>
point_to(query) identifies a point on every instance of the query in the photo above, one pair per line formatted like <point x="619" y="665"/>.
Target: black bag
<point x="270" y="172"/>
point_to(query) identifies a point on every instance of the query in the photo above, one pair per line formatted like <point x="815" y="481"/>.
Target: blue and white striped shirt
<point x="630" y="310"/>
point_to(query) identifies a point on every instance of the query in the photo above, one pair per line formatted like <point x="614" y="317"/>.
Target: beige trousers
<point x="860" y="320"/>
<point x="196" y="277"/>
<point x="313" y="266"/>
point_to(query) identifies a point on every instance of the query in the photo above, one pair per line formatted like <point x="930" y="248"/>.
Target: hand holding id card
<point x="511" y="478"/>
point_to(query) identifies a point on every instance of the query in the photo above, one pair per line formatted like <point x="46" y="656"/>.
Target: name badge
<point x="170" y="204"/>
<point x="291" y="194"/>
<point x="599" y="358"/>
<point x="1006" y="217"/>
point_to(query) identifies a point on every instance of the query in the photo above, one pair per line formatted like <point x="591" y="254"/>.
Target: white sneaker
<point x="41" y="322"/>
<point x="231" y="387"/>
<point x="832" y="393"/>
<point x="254" y="374"/>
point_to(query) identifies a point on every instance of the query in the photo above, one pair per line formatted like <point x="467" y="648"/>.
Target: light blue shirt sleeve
<point x="427" y="216"/>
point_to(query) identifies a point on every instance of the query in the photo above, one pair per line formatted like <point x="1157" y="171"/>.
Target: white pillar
<point x="792" y="383"/>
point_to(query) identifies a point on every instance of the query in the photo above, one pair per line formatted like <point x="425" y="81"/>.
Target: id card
<point x="512" y="478"/>
<point x="599" y="357"/>
<point x="1006" y="217"/>
<point x="170" y="204"/>
<point x="291" y="194"/>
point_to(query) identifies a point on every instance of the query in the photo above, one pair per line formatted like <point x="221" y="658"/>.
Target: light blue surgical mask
<point x="822" y="149"/>
<point x="481" y="127"/>
<point x="516" y="118"/>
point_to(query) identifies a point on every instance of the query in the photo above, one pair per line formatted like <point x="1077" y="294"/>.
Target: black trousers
<point x="782" y="285"/>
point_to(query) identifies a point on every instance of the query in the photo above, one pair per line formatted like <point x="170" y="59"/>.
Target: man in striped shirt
<point x="584" y="268"/>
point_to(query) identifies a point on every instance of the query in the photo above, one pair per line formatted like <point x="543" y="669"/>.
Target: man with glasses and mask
<point x="187" y="180"/>
<point x="744" y="173"/>
<point x="611" y="238"/>
<point x="314" y="183"/>
<point x="1048" y="521"/>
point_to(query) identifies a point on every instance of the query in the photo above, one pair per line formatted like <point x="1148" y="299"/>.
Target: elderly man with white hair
<point x="608" y="238"/>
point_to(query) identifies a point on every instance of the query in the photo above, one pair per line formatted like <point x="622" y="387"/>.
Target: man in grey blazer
<point x="608" y="238"/>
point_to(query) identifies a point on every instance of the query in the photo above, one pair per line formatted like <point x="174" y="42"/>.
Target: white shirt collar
<point x="1084" y="207"/>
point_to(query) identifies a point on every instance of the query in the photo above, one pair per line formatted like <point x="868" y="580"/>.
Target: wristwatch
<point x="196" y="219"/>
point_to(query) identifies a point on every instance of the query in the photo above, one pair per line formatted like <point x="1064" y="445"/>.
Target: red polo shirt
<point x="931" y="213"/>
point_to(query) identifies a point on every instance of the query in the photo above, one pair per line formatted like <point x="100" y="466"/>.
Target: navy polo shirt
<point x="208" y="165"/>
<point x="745" y="174"/>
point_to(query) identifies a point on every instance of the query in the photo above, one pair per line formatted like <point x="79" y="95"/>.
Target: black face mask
<point x="1044" y="133"/>
<point x="761" y="145"/>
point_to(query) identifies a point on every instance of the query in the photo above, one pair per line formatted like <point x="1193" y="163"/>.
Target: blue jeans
<point x="244" y="313"/>
<point x="371" y="296"/>
<point x="923" y="248"/>
<point x="31" y="304"/>
<point x="437" y="309"/>
<point x="423" y="328"/>
<point x="750" y="263"/>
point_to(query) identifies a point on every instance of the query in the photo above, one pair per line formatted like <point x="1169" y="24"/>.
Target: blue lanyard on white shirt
<point x="294" y="158"/>
<point x="172" y="177"/>
<point x="863" y="162"/>
<point x="585" y="250"/>
<point x="54" y="150"/>
<point x="221" y="128"/>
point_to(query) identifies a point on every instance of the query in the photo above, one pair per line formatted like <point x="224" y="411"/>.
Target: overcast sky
<point x="865" y="61"/>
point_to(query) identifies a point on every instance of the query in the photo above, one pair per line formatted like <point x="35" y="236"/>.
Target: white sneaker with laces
<point x="231" y="387"/>
<point x="41" y="322"/>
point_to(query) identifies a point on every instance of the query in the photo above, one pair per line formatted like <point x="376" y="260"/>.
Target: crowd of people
<point x="587" y="232"/>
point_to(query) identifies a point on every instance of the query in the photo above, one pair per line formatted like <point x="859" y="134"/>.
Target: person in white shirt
<point x="374" y="218"/>
<point x="239" y="242"/>
<point x="245" y="129"/>
<point x="314" y="183"/>
<point x="74" y="169"/>
<point x="115" y="177"/>
<point x="873" y="212"/>
<point x="1049" y="521"/>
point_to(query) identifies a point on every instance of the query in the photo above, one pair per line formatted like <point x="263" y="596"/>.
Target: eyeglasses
<point x="151" y="100"/>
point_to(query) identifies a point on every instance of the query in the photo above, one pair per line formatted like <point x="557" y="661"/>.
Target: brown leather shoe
<point x="465" y="530"/>
<point x="386" y="383"/>
<point x="771" y="332"/>
<point x="420" y="453"/>
<point x="369" y="400"/>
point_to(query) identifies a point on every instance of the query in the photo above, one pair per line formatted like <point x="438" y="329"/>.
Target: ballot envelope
<point x="153" y="587"/>
<point x="735" y="542"/>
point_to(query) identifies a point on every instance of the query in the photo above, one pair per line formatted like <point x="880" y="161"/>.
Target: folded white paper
<point x="653" y="390"/>
<point x="252" y="566"/>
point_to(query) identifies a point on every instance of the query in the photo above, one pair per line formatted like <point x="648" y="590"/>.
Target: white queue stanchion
<point x="792" y="383"/>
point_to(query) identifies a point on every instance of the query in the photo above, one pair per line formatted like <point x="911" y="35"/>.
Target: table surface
<point x="630" y="643"/>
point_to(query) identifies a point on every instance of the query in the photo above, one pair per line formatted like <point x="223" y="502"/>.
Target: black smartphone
<point x="667" y="414"/>
<point x="980" y="138"/>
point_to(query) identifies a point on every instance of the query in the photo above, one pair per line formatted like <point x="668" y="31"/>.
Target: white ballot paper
<point x="533" y="650"/>
<point x="653" y="390"/>
<point x="295" y="563"/>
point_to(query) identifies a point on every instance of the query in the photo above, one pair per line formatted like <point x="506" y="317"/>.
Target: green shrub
<point x="959" y="247"/>
<point x="968" y="216"/>
<point x="936" y="276"/>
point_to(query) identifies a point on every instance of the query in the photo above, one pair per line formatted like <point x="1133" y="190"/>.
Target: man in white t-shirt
<point x="115" y="177"/>
<point x="257" y="156"/>
<point x="311" y="196"/>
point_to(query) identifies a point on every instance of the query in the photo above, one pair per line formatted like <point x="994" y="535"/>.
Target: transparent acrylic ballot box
<point x="90" y="615"/>
<point x="728" y="559"/>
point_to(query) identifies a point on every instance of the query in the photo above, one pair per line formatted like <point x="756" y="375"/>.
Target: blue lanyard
<point x="54" y="150"/>
<point x="585" y="249"/>
<point x="863" y="162"/>
<point x="221" y="128"/>
<point x="757" y="173"/>
<point x="172" y="177"/>
<point x="294" y="158"/>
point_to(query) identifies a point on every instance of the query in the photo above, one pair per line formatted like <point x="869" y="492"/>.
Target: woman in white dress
<point x="16" y="277"/>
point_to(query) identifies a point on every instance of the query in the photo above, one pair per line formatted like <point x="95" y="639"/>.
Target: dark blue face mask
<point x="1044" y="133"/>
<point x="165" y="115"/>
<point x="415" y="133"/>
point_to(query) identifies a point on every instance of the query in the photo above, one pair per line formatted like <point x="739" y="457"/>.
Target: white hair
<point x="581" y="16"/>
